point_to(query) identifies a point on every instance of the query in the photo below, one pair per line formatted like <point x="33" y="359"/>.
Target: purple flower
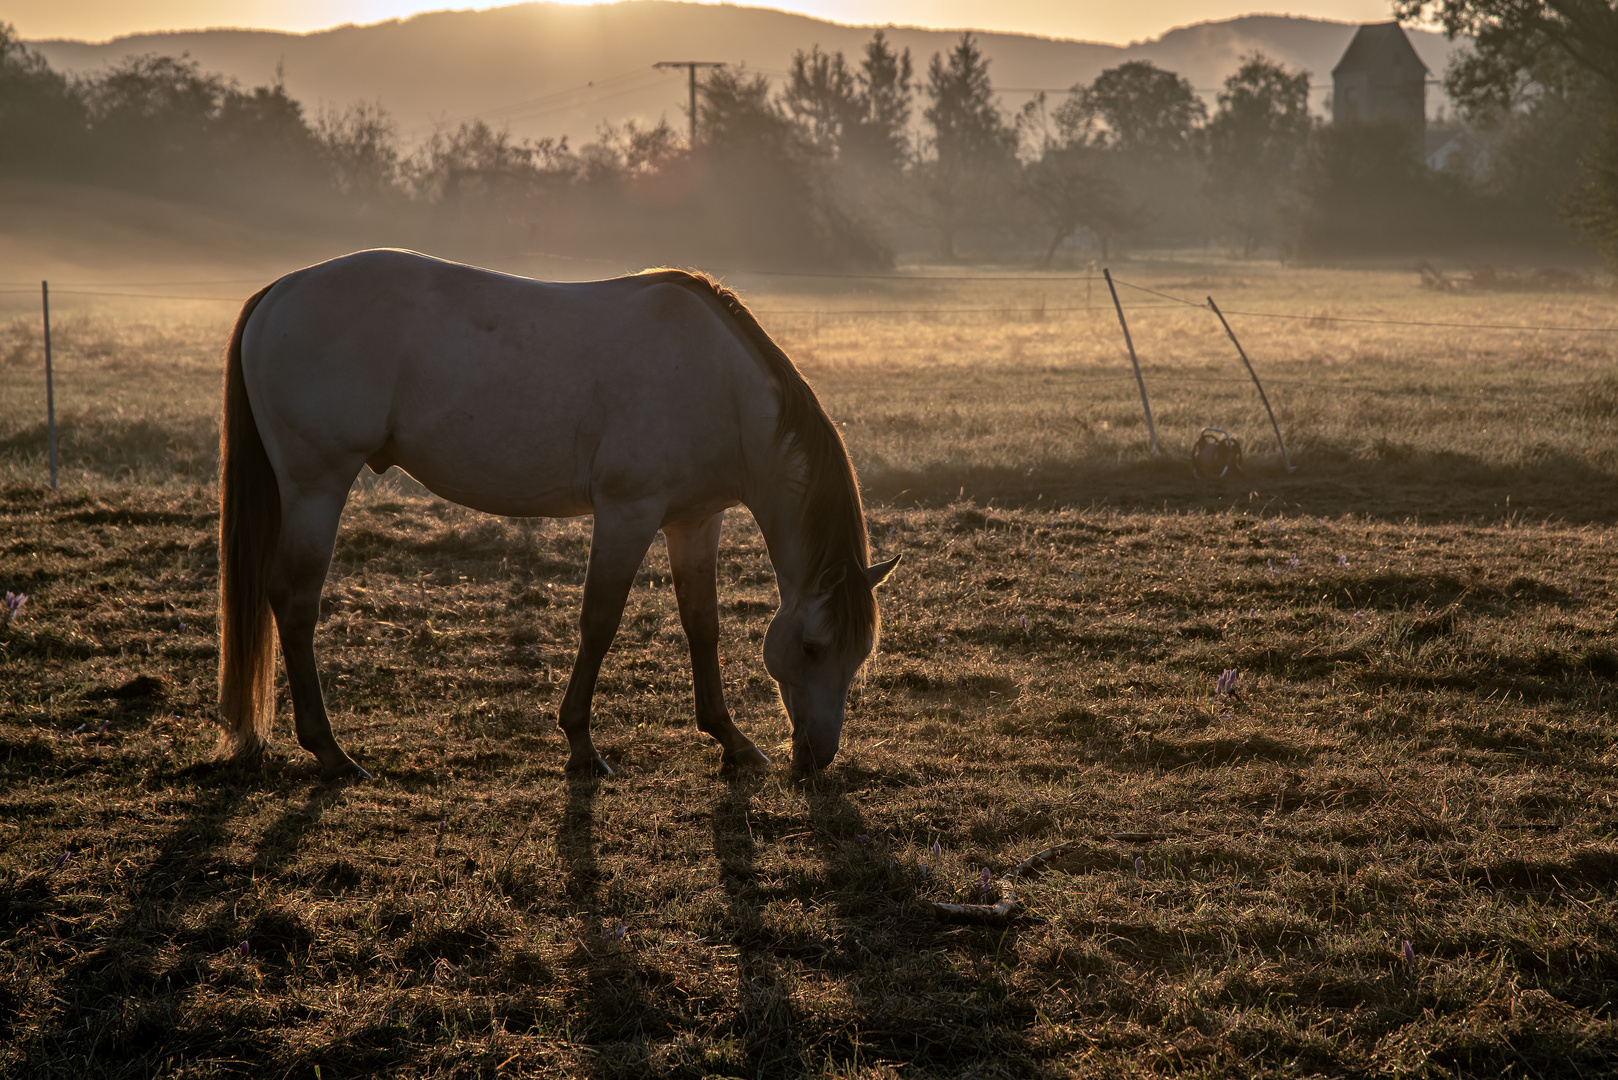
<point x="619" y="930"/>
<point x="1024" y="621"/>
<point x="1410" y="954"/>
<point x="441" y="823"/>
<point x="61" y="860"/>
<point x="983" y="885"/>
<point x="1226" y="681"/>
<point x="1292" y="563"/>
<point x="938" y="852"/>
<point x="1140" y="869"/>
<point x="923" y="868"/>
<point x="102" y="730"/>
<point x="1271" y="564"/>
<point x="1342" y="561"/>
<point x="14" y="603"/>
<point x="80" y="728"/>
<point x="863" y="838"/>
<point x="245" y="949"/>
<point x="941" y="639"/>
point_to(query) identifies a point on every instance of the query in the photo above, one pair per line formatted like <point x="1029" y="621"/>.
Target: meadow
<point x="1418" y="746"/>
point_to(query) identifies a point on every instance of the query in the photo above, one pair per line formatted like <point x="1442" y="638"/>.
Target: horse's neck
<point x="777" y="507"/>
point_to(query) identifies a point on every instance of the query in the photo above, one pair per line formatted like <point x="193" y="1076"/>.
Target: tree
<point x="879" y="143"/>
<point x="42" y="122"/>
<point x="973" y="148"/>
<point x="1255" y="143"/>
<point x="1539" y="67"/>
<point x="360" y="145"/>
<point x="823" y="97"/>
<point x="1067" y="182"/>
<point x="1133" y="129"/>
<point x="1135" y="108"/>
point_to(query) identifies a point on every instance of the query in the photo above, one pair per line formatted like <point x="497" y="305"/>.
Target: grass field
<point x="1420" y="746"/>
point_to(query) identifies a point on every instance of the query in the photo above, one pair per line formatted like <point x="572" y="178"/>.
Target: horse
<point x="653" y="402"/>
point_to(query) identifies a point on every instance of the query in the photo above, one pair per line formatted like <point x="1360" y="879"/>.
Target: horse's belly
<point x="488" y="475"/>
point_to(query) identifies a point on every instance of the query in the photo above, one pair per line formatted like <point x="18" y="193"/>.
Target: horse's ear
<point x="830" y="578"/>
<point x="878" y="573"/>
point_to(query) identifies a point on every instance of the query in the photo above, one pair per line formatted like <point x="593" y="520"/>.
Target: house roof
<point x="1378" y="45"/>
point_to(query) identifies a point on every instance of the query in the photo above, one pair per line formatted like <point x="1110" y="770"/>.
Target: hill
<point x="552" y="69"/>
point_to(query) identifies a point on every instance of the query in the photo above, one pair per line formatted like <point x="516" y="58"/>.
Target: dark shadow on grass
<point x="122" y="1010"/>
<point x="608" y="995"/>
<point x="1442" y="487"/>
<point x="913" y="1012"/>
<point x="770" y="1031"/>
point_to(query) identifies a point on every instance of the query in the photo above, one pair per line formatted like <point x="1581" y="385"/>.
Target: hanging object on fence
<point x="1215" y="455"/>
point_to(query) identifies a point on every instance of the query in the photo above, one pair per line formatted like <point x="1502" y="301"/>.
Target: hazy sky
<point x="1117" y="21"/>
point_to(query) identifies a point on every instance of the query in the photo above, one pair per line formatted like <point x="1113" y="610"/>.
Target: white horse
<point x="653" y="402"/>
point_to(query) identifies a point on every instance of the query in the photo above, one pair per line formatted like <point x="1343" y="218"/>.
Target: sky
<point x="1116" y="21"/>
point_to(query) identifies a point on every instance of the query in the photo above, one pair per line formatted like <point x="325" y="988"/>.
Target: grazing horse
<point x="653" y="402"/>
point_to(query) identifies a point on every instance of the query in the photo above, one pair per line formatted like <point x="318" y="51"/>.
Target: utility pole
<point x="691" y="67"/>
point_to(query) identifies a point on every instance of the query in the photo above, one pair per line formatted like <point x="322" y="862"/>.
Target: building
<point x="1380" y="77"/>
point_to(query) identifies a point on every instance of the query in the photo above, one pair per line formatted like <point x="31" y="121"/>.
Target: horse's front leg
<point x="694" y="557"/>
<point x="617" y="547"/>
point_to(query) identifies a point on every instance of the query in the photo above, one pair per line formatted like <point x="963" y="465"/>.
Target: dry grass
<point x="1420" y="748"/>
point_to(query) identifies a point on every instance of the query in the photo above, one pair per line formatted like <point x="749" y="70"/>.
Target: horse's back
<point x="500" y="392"/>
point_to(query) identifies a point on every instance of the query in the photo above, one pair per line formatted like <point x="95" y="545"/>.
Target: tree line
<point x="847" y="161"/>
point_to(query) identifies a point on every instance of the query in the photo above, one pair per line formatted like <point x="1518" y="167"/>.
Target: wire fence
<point x="1159" y="375"/>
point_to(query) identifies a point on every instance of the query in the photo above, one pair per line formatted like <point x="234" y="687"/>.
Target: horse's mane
<point x="831" y="515"/>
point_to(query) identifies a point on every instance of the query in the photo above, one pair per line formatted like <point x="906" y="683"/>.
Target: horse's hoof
<point x="347" y="769"/>
<point x="751" y="759"/>
<point x="594" y="765"/>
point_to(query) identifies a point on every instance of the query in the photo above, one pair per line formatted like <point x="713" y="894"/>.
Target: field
<point x="1419" y="746"/>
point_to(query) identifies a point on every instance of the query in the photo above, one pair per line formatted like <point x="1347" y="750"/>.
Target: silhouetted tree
<point x="42" y="122"/>
<point x="1256" y="141"/>
<point x="1544" y="75"/>
<point x="972" y="148"/>
<point x="1136" y="109"/>
<point x="1067" y="182"/>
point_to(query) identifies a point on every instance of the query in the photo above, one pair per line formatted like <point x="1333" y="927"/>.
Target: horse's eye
<point x="811" y="651"/>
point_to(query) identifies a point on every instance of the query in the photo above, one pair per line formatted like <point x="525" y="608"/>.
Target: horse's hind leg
<point x="694" y="556"/>
<point x="302" y="556"/>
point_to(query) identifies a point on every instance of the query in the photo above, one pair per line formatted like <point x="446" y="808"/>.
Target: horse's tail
<point x="249" y="526"/>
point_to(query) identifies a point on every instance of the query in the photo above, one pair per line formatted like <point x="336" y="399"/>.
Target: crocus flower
<point x="245" y="949"/>
<point x="1140" y="869"/>
<point x="983" y="884"/>
<point x="1292" y="563"/>
<point x="1410" y="954"/>
<point x="619" y="931"/>
<point x="1226" y="681"/>
<point x="1342" y="561"/>
<point x="61" y="860"/>
<point x="863" y="838"/>
<point x="14" y="603"/>
<point x="938" y="852"/>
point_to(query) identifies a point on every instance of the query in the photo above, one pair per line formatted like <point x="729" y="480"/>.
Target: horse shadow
<point x="911" y="1008"/>
<point x="614" y="1013"/>
<point x="122" y="995"/>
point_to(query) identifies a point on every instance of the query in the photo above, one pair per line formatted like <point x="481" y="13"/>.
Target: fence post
<point x="50" y="382"/>
<point x="1140" y="382"/>
<point x="1241" y="352"/>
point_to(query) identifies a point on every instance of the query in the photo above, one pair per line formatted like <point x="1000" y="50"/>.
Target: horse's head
<point x="813" y="661"/>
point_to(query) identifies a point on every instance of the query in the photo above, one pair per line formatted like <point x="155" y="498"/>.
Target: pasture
<point x="1419" y="746"/>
